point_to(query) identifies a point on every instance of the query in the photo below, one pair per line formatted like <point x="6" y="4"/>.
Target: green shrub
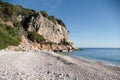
<point x="64" y="42"/>
<point x="9" y="12"/>
<point x="61" y="22"/>
<point x="8" y="36"/>
<point x="44" y="13"/>
<point x="33" y="36"/>
<point x="18" y="25"/>
<point x="53" y="19"/>
<point x="50" y="43"/>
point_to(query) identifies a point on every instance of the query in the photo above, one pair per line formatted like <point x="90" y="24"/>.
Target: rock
<point x="20" y="18"/>
<point x="52" y="32"/>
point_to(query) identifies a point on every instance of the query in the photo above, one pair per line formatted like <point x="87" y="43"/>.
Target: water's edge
<point x="107" y="56"/>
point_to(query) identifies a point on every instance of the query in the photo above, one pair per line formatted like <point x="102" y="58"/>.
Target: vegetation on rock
<point x="53" y="19"/>
<point x="36" y="37"/>
<point x="8" y="36"/>
<point x="9" y="12"/>
<point x="60" y="22"/>
<point x="64" y="42"/>
<point x="20" y="18"/>
<point x="44" y="13"/>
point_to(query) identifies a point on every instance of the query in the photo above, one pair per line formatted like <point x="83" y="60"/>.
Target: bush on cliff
<point x="9" y="12"/>
<point x="61" y="22"/>
<point x="53" y="19"/>
<point x="33" y="36"/>
<point x="8" y="36"/>
<point x="44" y="13"/>
<point x="64" y="42"/>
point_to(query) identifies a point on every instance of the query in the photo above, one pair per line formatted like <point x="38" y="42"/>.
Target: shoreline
<point x="49" y="65"/>
<point x="93" y="61"/>
<point x="102" y="62"/>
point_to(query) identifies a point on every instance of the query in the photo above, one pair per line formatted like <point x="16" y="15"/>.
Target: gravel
<point x="52" y="66"/>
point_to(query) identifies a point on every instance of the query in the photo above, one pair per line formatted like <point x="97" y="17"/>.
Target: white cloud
<point x="52" y="3"/>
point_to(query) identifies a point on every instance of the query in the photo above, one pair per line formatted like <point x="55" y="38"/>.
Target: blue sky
<point x="92" y="23"/>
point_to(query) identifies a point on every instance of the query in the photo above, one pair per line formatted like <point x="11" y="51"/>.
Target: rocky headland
<point x="38" y="28"/>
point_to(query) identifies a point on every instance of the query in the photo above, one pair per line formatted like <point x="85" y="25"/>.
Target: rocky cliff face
<point x="52" y="32"/>
<point x="39" y="29"/>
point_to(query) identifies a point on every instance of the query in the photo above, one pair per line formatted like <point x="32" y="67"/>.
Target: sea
<point x="110" y="56"/>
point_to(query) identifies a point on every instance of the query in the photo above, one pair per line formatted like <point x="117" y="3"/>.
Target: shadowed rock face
<point x="53" y="32"/>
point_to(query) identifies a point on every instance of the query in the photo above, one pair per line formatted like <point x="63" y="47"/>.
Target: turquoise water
<point x="105" y="55"/>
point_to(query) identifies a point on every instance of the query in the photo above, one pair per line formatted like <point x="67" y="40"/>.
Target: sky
<point x="91" y="23"/>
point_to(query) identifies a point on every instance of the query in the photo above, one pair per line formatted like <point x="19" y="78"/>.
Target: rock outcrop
<point x="51" y="31"/>
<point x="45" y="32"/>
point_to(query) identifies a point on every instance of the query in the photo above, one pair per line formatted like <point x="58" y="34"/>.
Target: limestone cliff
<point x="39" y="29"/>
<point x="52" y="32"/>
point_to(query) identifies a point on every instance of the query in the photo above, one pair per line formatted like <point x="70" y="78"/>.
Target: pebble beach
<point x="52" y="66"/>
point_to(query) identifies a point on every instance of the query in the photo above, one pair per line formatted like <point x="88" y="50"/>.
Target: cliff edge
<point x="39" y="29"/>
